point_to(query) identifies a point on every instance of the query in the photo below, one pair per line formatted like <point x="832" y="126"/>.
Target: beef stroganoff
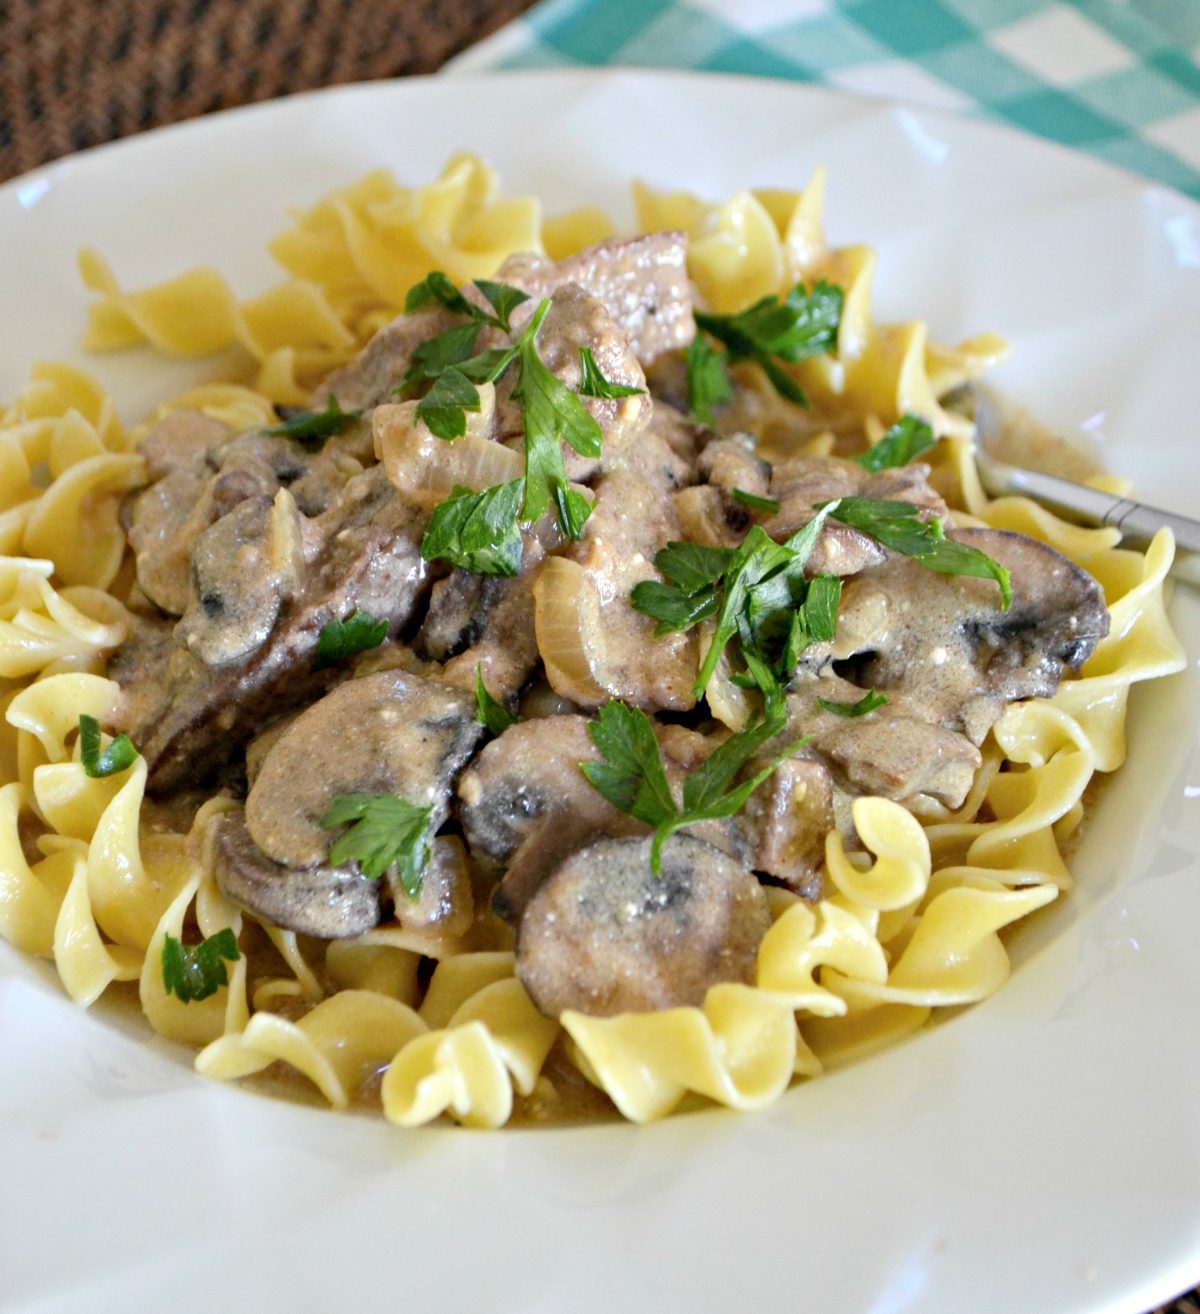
<point x="572" y="662"/>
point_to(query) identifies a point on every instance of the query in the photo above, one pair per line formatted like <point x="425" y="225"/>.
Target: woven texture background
<point x="74" y="73"/>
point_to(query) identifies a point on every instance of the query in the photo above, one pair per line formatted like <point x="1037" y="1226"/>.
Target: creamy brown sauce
<point x="317" y="537"/>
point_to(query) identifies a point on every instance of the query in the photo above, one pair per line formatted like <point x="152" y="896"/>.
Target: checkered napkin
<point x="1119" y="79"/>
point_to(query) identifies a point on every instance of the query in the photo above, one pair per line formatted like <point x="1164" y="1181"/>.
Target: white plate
<point x="1040" y="1152"/>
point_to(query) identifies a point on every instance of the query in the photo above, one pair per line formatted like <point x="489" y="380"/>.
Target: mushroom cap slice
<point x="603" y="935"/>
<point x="334" y="903"/>
<point x="525" y="804"/>
<point x="388" y="733"/>
<point x="945" y="643"/>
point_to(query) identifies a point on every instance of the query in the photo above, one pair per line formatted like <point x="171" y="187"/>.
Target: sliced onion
<point x="728" y="702"/>
<point x="566" y="622"/>
<point x="428" y="468"/>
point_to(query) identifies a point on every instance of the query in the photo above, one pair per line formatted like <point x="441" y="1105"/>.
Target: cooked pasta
<point x="432" y="1020"/>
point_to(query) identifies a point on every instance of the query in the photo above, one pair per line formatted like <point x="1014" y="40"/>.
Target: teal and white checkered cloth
<point x="1119" y="79"/>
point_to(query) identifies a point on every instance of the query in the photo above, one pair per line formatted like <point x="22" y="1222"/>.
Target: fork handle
<point x="1137" y="522"/>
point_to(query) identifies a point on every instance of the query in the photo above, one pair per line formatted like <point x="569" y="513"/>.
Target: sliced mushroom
<point x="244" y="566"/>
<point x="331" y="902"/>
<point x="164" y="521"/>
<point x="945" y="642"/>
<point x="525" y="804"/>
<point x="603" y="935"/>
<point x="388" y="733"/>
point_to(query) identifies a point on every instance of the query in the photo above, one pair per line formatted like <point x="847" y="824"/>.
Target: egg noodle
<point x="910" y="924"/>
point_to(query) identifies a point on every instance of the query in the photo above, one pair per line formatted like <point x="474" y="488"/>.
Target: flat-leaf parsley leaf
<point x="196" y="971"/>
<point x="382" y="831"/>
<point x="116" y="757"/>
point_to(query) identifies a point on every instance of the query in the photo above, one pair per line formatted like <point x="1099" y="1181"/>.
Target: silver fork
<point x="1137" y="521"/>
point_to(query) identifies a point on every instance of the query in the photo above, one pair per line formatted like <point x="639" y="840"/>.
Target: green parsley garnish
<point x="311" y="428"/>
<point x="444" y="407"/>
<point x="898" y="525"/>
<point x="758" y="593"/>
<point x="707" y="379"/>
<point x="632" y="776"/>
<point x="779" y="331"/>
<point x="340" y="639"/>
<point x="431" y="357"/>
<point x="437" y="287"/>
<point x="196" y="971"/>
<point x="755" y="502"/>
<point x="869" y="702"/>
<point x="553" y="415"/>
<point x="116" y="757"/>
<point x="448" y="359"/>
<point x="477" y="531"/>
<point x="491" y="714"/>
<point x="907" y="439"/>
<point x="596" y="385"/>
<point x="382" y="831"/>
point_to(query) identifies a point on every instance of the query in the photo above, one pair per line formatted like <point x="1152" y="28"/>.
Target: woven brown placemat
<point x="74" y="73"/>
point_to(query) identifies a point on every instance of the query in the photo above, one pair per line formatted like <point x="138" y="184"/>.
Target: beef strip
<point x="642" y="282"/>
<point x="896" y="752"/>
<point x="802" y="483"/>
<point x="730" y="463"/>
<point x="603" y="935"/>
<point x="181" y="438"/>
<point x="382" y="363"/>
<point x="188" y="718"/>
<point x="781" y="830"/>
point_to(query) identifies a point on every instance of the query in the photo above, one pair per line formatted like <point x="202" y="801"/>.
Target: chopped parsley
<point x="490" y="713"/>
<point x="758" y="593"/>
<point x="898" y="525"/>
<point x="869" y="702"/>
<point x="907" y="439"/>
<point x="438" y="287"/>
<point x="773" y="332"/>
<point x="633" y="778"/>
<point x="196" y="971"/>
<point x="311" y="428"/>
<point x="382" y="831"/>
<point x="444" y="407"/>
<point x="340" y="639"/>
<point x="755" y="502"/>
<point x="708" y="380"/>
<point x="551" y="413"/>
<point x="477" y="531"/>
<point x="118" y="756"/>
<point x="596" y="385"/>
